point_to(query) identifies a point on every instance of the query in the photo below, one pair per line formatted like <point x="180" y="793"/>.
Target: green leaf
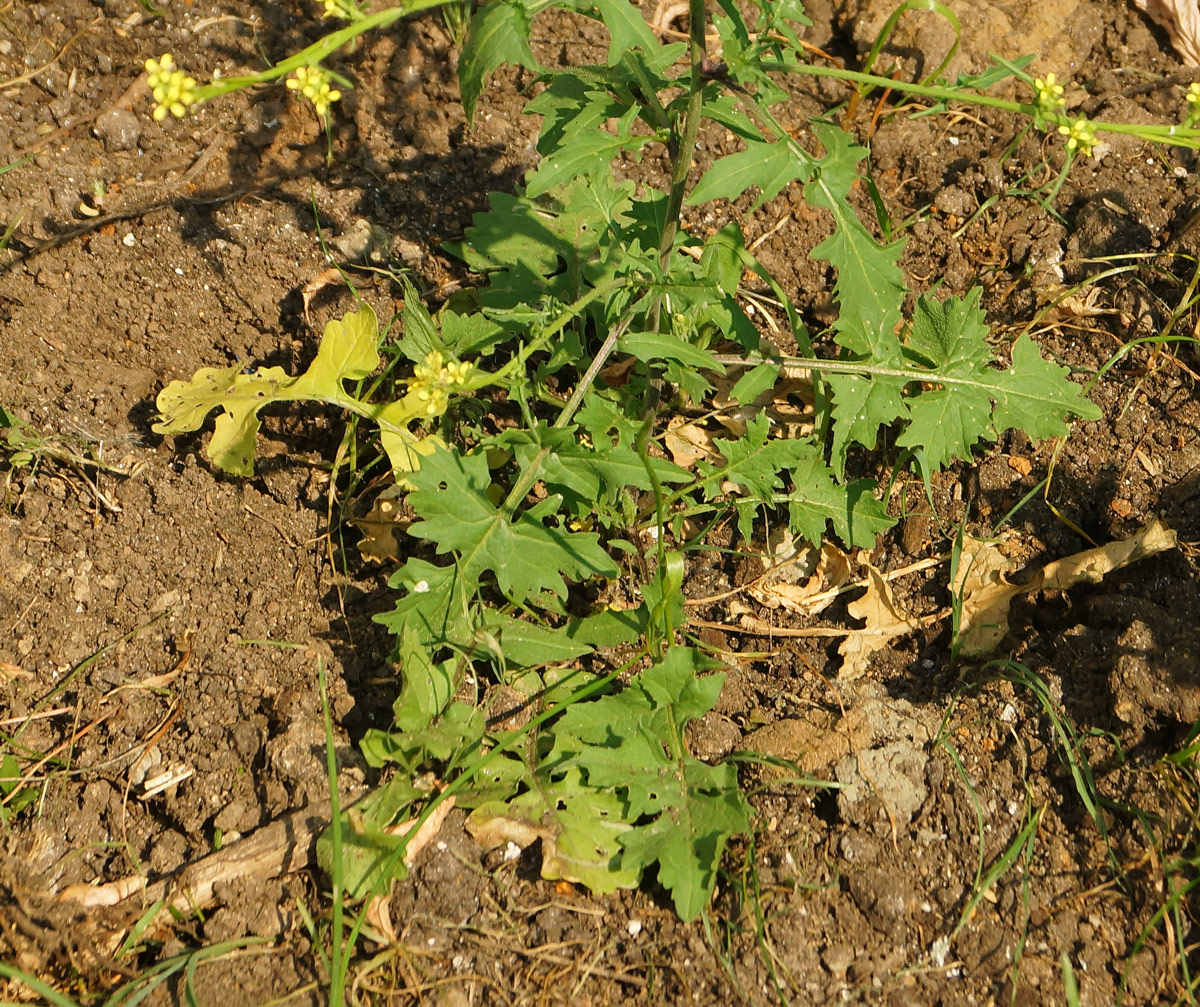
<point x="469" y="334"/>
<point x="861" y="405"/>
<point x="948" y="420"/>
<point x="498" y="33"/>
<point x="870" y="285"/>
<point x="1035" y="395"/>
<point x="857" y="517"/>
<point x="435" y="606"/>
<point x="580" y="828"/>
<point x="571" y="105"/>
<point x="420" y="336"/>
<point x="586" y="152"/>
<point x="667" y="346"/>
<point x="367" y="866"/>
<point x="754" y="382"/>
<point x="754" y="461"/>
<point x="525" y="555"/>
<point x="626" y="24"/>
<point x="586" y="474"/>
<point x="631" y="743"/>
<point x="610" y="628"/>
<point x="527" y="645"/>
<point x="428" y="687"/>
<point x="770" y="166"/>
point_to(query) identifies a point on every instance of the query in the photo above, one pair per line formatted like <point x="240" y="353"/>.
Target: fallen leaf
<point x="884" y="622"/>
<point x="1181" y="21"/>
<point x="986" y="594"/>
<point x="981" y="584"/>
<point x="379" y="527"/>
<point x="687" y="442"/>
<point x="327" y="277"/>
<point x="803" y="581"/>
<point x="1091" y="565"/>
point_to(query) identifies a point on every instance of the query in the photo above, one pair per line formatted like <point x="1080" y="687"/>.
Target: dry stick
<point x="32" y="771"/>
<point x="15" y="81"/>
<point x="833" y="592"/>
<point x="285" y="846"/>
<point x="8" y="721"/>
<point x="768" y="630"/>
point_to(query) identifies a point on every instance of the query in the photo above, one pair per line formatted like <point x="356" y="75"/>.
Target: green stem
<point x="1184" y="136"/>
<point x="318" y="51"/>
<point x="691" y="130"/>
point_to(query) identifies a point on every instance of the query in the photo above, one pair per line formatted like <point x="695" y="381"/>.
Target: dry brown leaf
<point x="379" y="527"/>
<point x="424" y="835"/>
<point x="884" y="622"/>
<point x="1091" y="565"/>
<point x="803" y="581"/>
<point x="327" y="277"/>
<point x="981" y="582"/>
<point x="687" y="442"/>
<point x="1181" y="20"/>
<point x="986" y="593"/>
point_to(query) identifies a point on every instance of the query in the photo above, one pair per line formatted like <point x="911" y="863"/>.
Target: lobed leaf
<point x="525" y="555"/>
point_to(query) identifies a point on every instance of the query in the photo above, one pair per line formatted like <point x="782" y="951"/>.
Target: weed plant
<point x="517" y="520"/>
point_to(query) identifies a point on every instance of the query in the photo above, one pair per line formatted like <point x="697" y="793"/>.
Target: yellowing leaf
<point x="347" y="353"/>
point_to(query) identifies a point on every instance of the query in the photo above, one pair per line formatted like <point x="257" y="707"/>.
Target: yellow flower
<point x="1048" y="94"/>
<point x="313" y="83"/>
<point x="1081" y="136"/>
<point x="433" y="379"/>
<point x="1192" y="116"/>
<point x="173" y="90"/>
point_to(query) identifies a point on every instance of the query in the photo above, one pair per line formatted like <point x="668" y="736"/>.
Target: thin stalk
<point x="1184" y="136"/>
<point x="691" y="130"/>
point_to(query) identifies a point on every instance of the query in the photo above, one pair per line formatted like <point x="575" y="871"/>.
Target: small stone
<point x="118" y="129"/>
<point x="359" y="239"/>
<point x="837" y="958"/>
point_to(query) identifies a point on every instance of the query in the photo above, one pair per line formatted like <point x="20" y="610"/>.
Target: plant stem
<point x="1175" y="134"/>
<point x="687" y="139"/>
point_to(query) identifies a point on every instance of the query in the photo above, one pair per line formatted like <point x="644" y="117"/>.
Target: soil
<point x="159" y="616"/>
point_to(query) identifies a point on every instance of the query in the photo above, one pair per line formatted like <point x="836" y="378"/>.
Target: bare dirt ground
<point x="144" y="601"/>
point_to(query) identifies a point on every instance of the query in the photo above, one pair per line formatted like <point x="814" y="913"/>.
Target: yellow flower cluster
<point x="433" y="379"/>
<point x="1048" y="94"/>
<point x="313" y="83"/>
<point x="1081" y="136"/>
<point x="173" y="90"/>
<point x="1192" y="116"/>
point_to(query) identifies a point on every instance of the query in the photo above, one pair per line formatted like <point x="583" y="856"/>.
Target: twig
<point x="15" y="81"/>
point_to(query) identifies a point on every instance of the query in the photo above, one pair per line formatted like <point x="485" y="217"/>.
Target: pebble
<point x="118" y="129"/>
